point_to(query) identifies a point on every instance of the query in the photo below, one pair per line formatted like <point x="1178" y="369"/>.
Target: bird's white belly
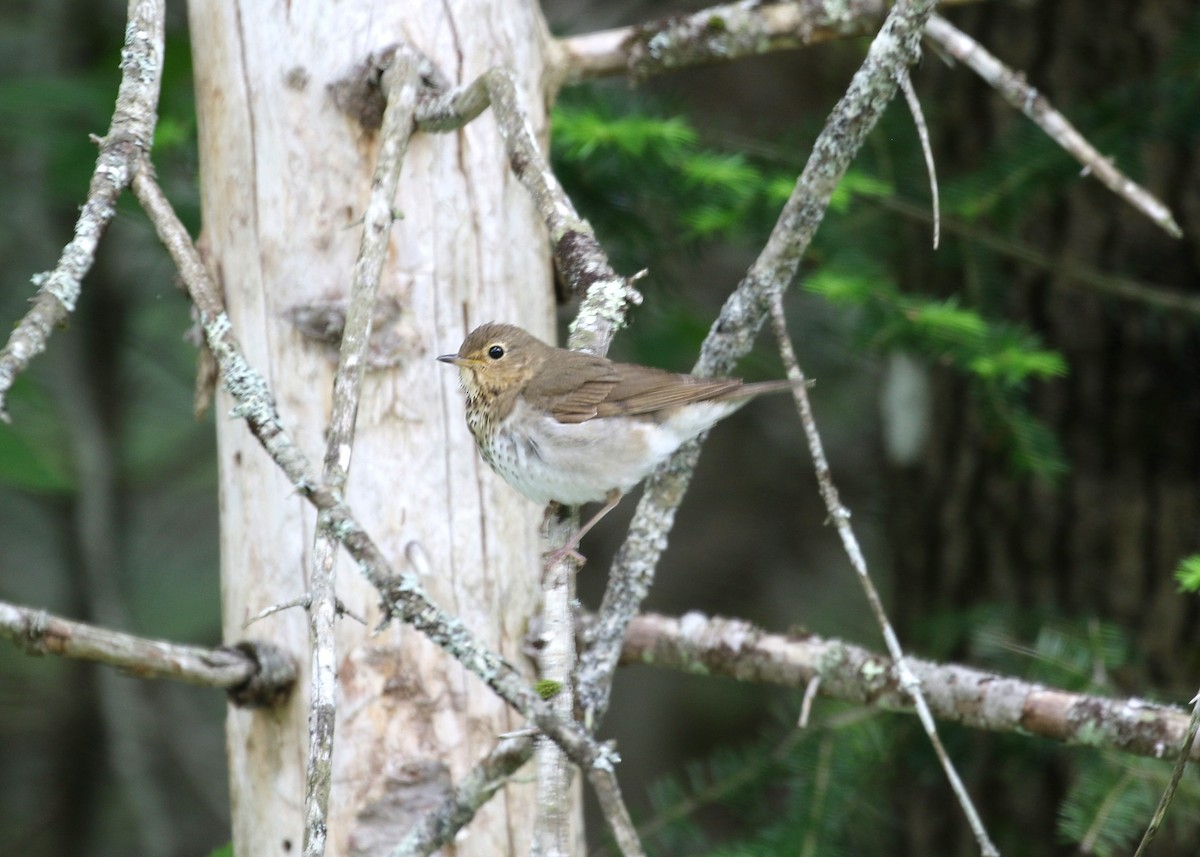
<point x="576" y="463"/>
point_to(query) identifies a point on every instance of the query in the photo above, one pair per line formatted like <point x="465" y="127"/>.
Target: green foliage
<point x="793" y="791"/>
<point x="999" y="359"/>
<point x="580" y="133"/>
<point x="622" y="164"/>
<point x="33" y="449"/>
<point x="1188" y="573"/>
<point x="225" y="850"/>
<point x="649" y="183"/>
<point x="1081" y="655"/>
<point x="1112" y="798"/>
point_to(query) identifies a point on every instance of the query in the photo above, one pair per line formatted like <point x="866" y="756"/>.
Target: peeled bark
<point x="284" y="180"/>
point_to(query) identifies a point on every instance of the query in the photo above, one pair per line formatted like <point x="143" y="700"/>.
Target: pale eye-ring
<point x="495" y="352"/>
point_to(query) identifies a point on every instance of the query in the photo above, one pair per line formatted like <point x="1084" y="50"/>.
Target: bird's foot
<point x="567" y="551"/>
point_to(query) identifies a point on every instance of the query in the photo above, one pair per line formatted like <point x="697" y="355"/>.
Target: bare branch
<point x="971" y="697"/>
<point x="229" y="668"/>
<point x="840" y="516"/>
<point x="1028" y="100"/>
<point x="732" y="334"/>
<point x="399" y="84"/>
<point x="715" y="35"/>
<point x="738" y="30"/>
<point x="128" y="139"/>
<point x="304" y="601"/>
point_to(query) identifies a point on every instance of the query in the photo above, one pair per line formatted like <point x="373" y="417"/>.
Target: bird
<point x="571" y="428"/>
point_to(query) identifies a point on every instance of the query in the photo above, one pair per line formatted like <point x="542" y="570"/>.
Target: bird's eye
<point x="495" y="352"/>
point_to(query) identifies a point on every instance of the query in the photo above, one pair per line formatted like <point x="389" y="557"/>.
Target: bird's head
<point x="497" y="358"/>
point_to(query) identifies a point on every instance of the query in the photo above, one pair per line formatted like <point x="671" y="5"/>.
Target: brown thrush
<point x="574" y="428"/>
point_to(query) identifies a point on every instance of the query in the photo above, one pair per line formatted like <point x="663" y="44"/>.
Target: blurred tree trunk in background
<point x="284" y="181"/>
<point x="1104" y="541"/>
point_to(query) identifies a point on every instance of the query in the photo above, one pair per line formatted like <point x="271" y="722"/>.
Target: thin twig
<point x="399" y="84"/>
<point x="129" y="137"/>
<point x="304" y="601"/>
<point x="810" y="693"/>
<point x="732" y="335"/>
<point x="1185" y="753"/>
<point x="840" y="516"/>
<point x="227" y="668"/>
<point x="914" y="107"/>
<point x="1025" y="98"/>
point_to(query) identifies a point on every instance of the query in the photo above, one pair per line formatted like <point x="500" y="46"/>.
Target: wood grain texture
<point x="285" y="176"/>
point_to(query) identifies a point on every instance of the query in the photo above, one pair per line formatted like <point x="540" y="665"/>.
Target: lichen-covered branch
<point x="399" y="84"/>
<point x="128" y="139"/>
<point x="253" y="673"/>
<point x="1025" y="98"/>
<point x="738" y="30"/>
<point x="585" y="267"/>
<point x="733" y="333"/>
<point x="971" y="697"/>
<point x="722" y="33"/>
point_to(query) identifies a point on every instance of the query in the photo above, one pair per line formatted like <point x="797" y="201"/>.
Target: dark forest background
<point x="1020" y="447"/>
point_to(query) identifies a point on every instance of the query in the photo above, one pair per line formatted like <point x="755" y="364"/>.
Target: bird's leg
<point x="610" y="503"/>
<point x="571" y="547"/>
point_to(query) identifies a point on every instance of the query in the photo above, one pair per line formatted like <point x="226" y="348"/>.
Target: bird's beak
<point x="452" y="358"/>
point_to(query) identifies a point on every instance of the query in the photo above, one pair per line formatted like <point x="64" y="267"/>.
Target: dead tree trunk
<point x="285" y="177"/>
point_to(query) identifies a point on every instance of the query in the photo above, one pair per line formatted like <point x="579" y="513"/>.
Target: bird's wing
<point x="644" y="390"/>
<point x="573" y="392"/>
